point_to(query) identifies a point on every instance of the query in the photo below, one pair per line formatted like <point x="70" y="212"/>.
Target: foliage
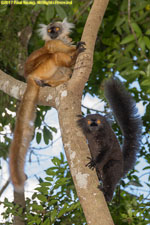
<point x="130" y="210"/>
<point x="123" y="44"/>
<point x="122" y="49"/>
<point x="55" y="201"/>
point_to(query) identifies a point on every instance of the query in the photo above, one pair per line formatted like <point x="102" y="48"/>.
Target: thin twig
<point x="81" y="11"/>
<point x="4" y="187"/>
<point x="132" y="30"/>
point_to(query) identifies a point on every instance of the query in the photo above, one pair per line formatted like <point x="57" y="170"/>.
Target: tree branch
<point x="132" y="30"/>
<point x="84" y="62"/>
<point x="16" y="89"/>
<point x="4" y="187"/>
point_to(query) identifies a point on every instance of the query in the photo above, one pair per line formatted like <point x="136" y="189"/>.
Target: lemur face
<point x="54" y="30"/>
<point x="92" y="123"/>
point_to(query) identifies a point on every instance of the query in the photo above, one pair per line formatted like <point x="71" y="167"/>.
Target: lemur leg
<point x="110" y="176"/>
<point x="62" y="60"/>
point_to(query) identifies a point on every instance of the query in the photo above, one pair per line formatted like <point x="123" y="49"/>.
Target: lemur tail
<point x="23" y="135"/>
<point x="125" y="112"/>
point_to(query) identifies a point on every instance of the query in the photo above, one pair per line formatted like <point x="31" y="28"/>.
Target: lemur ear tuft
<point x="42" y="32"/>
<point x="67" y="26"/>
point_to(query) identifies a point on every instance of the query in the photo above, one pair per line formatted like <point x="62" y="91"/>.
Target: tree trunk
<point x="19" y="199"/>
<point x="69" y="107"/>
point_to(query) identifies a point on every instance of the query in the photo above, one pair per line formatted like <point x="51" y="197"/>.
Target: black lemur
<point x="110" y="160"/>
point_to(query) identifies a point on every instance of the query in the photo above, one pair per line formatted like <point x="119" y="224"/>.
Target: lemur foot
<point x="41" y="83"/>
<point x="80" y="46"/>
<point x="91" y="164"/>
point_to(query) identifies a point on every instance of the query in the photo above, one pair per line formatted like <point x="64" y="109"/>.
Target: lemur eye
<point x="49" y="30"/>
<point x="89" y="122"/>
<point x="57" y="28"/>
<point x="98" y="121"/>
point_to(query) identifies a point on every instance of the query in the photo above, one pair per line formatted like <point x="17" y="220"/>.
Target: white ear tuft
<point x="42" y="31"/>
<point x="67" y="26"/>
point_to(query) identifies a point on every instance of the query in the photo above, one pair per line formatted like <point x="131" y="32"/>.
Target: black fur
<point x="112" y="162"/>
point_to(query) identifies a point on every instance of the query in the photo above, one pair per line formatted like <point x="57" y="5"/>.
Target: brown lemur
<point x="111" y="161"/>
<point x="41" y="68"/>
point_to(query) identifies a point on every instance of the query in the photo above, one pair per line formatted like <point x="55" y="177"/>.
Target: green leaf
<point x="124" y="62"/>
<point x="110" y="65"/>
<point x="142" y="43"/>
<point x="129" y="47"/>
<point x="142" y="73"/>
<point x="147" y="32"/>
<point x="3" y="8"/>
<point x="45" y="184"/>
<point x="146" y="83"/>
<point x="148" y="71"/>
<point x="53" y="129"/>
<point x="53" y="215"/>
<point x="129" y="212"/>
<point x="50" y="172"/>
<point x="119" y="21"/>
<point x="30" y="223"/>
<point x="127" y="39"/>
<point x="37" y="207"/>
<point x="38" y="120"/>
<point x="47" y="135"/>
<point x="73" y="206"/>
<point x="62" y="211"/>
<point x="46" y="222"/>
<point x="138" y="6"/>
<point x="48" y="178"/>
<point x="53" y="202"/>
<point x="136" y="28"/>
<point x="147" y="42"/>
<point x="62" y="157"/>
<point x="146" y="168"/>
<point x="49" y="13"/>
<point x="42" y="198"/>
<point x="62" y="180"/>
<point x="141" y="197"/>
<point x="56" y="161"/>
<point x="43" y="189"/>
<point x="60" y="11"/>
<point x="38" y="7"/>
<point x="38" y="137"/>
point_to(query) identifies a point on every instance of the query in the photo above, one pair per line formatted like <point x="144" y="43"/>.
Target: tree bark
<point x="19" y="199"/>
<point x="16" y="89"/>
<point x="69" y="107"/>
